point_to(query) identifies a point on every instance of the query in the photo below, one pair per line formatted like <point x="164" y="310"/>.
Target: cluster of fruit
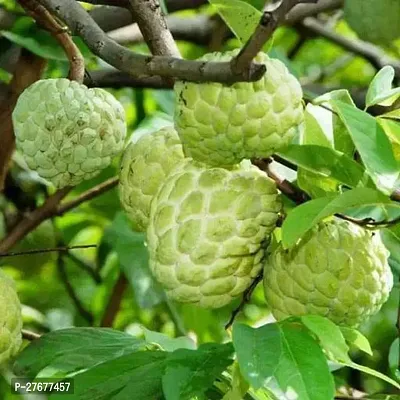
<point x="208" y="212"/>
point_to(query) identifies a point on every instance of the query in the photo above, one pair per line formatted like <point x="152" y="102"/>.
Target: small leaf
<point x="258" y="351"/>
<point x="190" y="373"/>
<point x="326" y="162"/>
<point x="356" y="338"/>
<point x="132" y="376"/>
<point x="284" y="358"/>
<point x="241" y="17"/>
<point x="372" y="144"/>
<point x="73" y="349"/>
<point x="329" y="335"/>
<point x="167" y="343"/>
<point x="394" y="358"/>
<point x="380" y="88"/>
<point x="302" y="218"/>
<point x="134" y="261"/>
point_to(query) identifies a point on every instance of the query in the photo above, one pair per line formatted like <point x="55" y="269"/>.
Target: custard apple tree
<point x="200" y="199"/>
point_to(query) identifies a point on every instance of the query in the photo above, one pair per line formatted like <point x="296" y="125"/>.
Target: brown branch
<point x="152" y="24"/>
<point x="245" y="299"/>
<point x="71" y="291"/>
<point x="172" y="5"/>
<point x="86" y="196"/>
<point x="45" y="19"/>
<point x="377" y="57"/>
<point x="309" y="10"/>
<point x="29" y="335"/>
<point x="62" y="249"/>
<point x="32" y="219"/>
<point x="81" y="24"/>
<point x="29" y="69"/>
<point x="266" y="27"/>
<point x="115" y="302"/>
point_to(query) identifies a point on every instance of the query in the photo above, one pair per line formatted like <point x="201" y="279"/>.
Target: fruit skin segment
<point x="221" y="125"/>
<point x="10" y="319"/>
<point x="144" y="167"/>
<point x="208" y="231"/>
<point x="338" y="270"/>
<point x="66" y="132"/>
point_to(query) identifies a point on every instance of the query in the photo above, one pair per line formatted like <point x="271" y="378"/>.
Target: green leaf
<point x="372" y="144"/>
<point x="134" y="261"/>
<point x="302" y="218"/>
<point x="326" y="162"/>
<point x="190" y="373"/>
<point x="241" y="17"/>
<point x="372" y="372"/>
<point x="356" y="338"/>
<point x="137" y="375"/>
<point x="73" y="349"/>
<point x="380" y="90"/>
<point x="329" y="335"/>
<point x="239" y="385"/>
<point x="288" y="357"/>
<point x="258" y="351"/>
<point x="391" y="240"/>
<point x="394" y="358"/>
<point x="167" y="343"/>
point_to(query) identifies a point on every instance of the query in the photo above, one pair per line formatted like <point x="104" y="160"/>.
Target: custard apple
<point x="222" y="125"/>
<point x="10" y="319"/>
<point x="338" y="270"/>
<point x="145" y="165"/>
<point x="374" y="21"/>
<point x="66" y="132"/>
<point x="208" y="230"/>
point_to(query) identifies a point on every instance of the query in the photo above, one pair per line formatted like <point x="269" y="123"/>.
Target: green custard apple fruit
<point x="374" y="21"/>
<point x="221" y="125"/>
<point x="10" y="319"/>
<point x="208" y="230"/>
<point x="66" y="132"/>
<point x="338" y="270"/>
<point x="144" y="167"/>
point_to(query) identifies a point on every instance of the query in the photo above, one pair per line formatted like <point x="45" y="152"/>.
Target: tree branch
<point x="71" y="291"/>
<point x="266" y="27"/>
<point x="115" y="302"/>
<point x="45" y="19"/>
<point x="81" y="24"/>
<point x="62" y="249"/>
<point x="86" y="196"/>
<point x="151" y="21"/>
<point x="371" y="53"/>
<point x="29" y="335"/>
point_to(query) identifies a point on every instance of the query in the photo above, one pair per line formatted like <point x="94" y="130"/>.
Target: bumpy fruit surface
<point x="222" y="125"/>
<point x="374" y="21"/>
<point x="208" y="229"/>
<point x="66" y="132"/>
<point x="338" y="270"/>
<point x="10" y="319"/>
<point x="144" y="167"/>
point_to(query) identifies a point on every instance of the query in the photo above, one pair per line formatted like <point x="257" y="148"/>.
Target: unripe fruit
<point x="144" y="167"/>
<point x="374" y="21"/>
<point x="338" y="270"/>
<point x="222" y="125"/>
<point x="10" y="319"/>
<point x="66" y="132"/>
<point x="208" y="230"/>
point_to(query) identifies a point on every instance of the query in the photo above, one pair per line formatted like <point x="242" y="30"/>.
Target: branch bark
<point x="81" y="24"/>
<point x="114" y="302"/>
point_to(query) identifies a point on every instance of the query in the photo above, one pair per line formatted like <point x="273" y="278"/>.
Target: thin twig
<point x="85" y="266"/>
<point x="88" y="195"/>
<point x="62" y="249"/>
<point x="176" y="318"/>
<point x="71" y="291"/>
<point x="245" y="299"/>
<point x="45" y="19"/>
<point x="124" y="59"/>
<point x="114" y="303"/>
<point x="29" y="335"/>
<point x="266" y="27"/>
